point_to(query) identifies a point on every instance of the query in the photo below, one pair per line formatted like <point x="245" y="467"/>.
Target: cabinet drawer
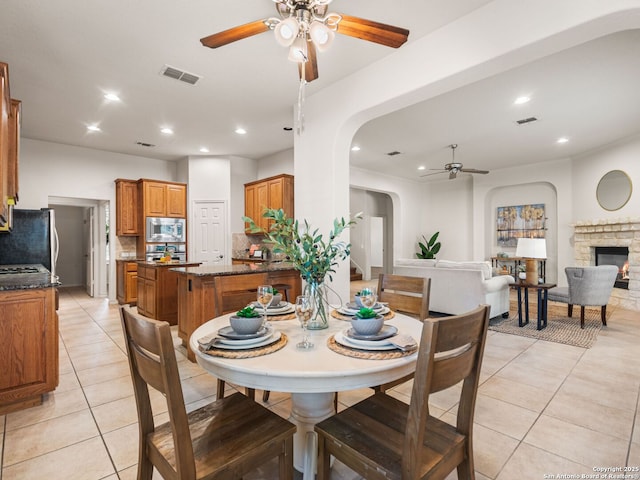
<point x="131" y="267"/>
<point x="147" y="273"/>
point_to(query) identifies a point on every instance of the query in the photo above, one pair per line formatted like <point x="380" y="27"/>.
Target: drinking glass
<point x="368" y="297"/>
<point x="304" y="312"/>
<point x="265" y="297"/>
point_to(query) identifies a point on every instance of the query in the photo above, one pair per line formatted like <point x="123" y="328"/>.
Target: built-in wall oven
<point x="164" y="230"/>
<point x="176" y="251"/>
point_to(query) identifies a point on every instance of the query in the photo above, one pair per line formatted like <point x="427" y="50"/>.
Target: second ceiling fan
<point x="306" y="25"/>
<point x="454" y="167"/>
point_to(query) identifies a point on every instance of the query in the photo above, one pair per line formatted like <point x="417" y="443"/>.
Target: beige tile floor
<point x="542" y="409"/>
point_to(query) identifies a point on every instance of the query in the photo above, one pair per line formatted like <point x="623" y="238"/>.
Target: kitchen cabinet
<point x="163" y="199"/>
<point x="29" y="345"/>
<point x="14" y="150"/>
<point x="273" y="192"/>
<point x="127" y="281"/>
<point x="5" y="108"/>
<point x="157" y="295"/>
<point x="127" y="223"/>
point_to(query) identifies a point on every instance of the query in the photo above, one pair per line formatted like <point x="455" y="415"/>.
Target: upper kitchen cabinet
<point x="5" y="108"/>
<point x="273" y="192"/>
<point x="163" y="199"/>
<point x="14" y="149"/>
<point x="127" y="207"/>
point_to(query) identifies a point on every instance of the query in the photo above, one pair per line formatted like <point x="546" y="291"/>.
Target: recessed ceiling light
<point x="355" y="148"/>
<point x="421" y="167"/>
<point x="241" y="131"/>
<point x="93" y="128"/>
<point x="112" y="97"/>
<point x="167" y="131"/>
<point x="521" y="100"/>
<point x="204" y="150"/>
<point x="562" y="140"/>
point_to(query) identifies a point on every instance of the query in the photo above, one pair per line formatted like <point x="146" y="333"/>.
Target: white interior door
<point x="88" y="249"/>
<point x="209" y="232"/>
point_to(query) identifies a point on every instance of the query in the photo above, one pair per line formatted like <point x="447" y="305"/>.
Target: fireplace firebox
<point x="618" y="256"/>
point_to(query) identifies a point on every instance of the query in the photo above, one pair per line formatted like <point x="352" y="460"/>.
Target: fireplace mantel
<point x="618" y="232"/>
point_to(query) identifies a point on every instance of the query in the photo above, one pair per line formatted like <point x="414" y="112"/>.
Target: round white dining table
<point x="311" y="376"/>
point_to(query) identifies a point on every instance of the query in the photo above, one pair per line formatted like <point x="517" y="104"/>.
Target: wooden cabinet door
<point x="120" y="282"/>
<point x="14" y="149"/>
<point x="250" y="203"/>
<point x="155" y="199"/>
<point x="127" y="208"/>
<point x="262" y="202"/>
<point x="5" y="106"/>
<point x="176" y="201"/>
<point x="131" y="292"/>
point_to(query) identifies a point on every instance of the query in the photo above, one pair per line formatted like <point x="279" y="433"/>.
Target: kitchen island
<point x="28" y="335"/>
<point x="207" y="292"/>
<point x="157" y="293"/>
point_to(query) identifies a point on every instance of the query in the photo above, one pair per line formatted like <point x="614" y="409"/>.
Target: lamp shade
<point x="298" y="50"/>
<point x="286" y="31"/>
<point x="531" y="248"/>
<point x="321" y="35"/>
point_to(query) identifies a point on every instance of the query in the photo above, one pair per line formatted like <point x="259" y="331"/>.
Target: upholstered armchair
<point x="588" y="287"/>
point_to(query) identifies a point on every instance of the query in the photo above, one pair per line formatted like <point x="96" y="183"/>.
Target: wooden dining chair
<point x="384" y="438"/>
<point x="407" y="295"/>
<point x="222" y="440"/>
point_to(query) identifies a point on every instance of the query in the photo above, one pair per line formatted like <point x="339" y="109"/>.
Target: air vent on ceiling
<point x="526" y="120"/>
<point x="145" y="144"/>
<point x="394" y="153"/>
<point x="177" y="74"/>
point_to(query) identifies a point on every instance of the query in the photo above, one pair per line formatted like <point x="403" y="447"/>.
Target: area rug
<point x="560" y="328"/>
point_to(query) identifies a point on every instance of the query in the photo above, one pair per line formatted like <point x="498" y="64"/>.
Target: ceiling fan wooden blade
<point x="372" y="31"/>
<point x="311" y="65"/>
<point x="233" y="34"/>
<point x="473" y="170"/>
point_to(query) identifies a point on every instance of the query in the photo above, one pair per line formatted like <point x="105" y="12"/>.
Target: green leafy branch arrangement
<point x="313" y="256"/>
<point x="431" y="248"/>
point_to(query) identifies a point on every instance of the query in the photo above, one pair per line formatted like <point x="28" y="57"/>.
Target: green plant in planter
<point x="366" y="313"/>
<point x="430" y="248"/>
<point x="248" y="312"/>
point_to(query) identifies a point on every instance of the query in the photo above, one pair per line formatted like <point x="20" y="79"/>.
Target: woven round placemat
<point x="336" y="314"/>
<point x="248" y="353"/>
<point x="285" y="316"/>
<point x="366" y="354"/>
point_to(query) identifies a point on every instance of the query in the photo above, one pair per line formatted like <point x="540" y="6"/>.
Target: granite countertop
<point x="219" y="270"/>
<point x="23" y="281"/>
<point x="172" y="263"/>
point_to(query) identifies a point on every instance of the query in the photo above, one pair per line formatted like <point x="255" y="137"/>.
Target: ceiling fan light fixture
<point x="286" y="31"/>
<point x="298" y="50"/>
<point x="321" y="35"/>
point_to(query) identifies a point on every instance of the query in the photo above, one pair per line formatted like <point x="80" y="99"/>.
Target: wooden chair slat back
<point x="152" y="362"/>
<point x="405" y="294"/>
<point x="451" y="350"/>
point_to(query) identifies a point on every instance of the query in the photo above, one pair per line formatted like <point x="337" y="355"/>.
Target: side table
<point x="543" y="289"/>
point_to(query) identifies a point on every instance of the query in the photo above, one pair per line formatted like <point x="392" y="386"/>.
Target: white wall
<point x="280" y="162"/>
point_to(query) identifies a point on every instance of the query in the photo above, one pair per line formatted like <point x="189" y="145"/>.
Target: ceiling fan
<point x="304" y="26"/>
<point x="454" y="167"/>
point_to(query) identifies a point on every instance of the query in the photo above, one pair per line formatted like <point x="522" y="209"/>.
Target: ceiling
<point x="64" y="55"/>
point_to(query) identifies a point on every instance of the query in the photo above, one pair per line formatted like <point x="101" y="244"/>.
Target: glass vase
<point x="318" y="293"/>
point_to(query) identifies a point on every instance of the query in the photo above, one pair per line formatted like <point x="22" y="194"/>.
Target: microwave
<point x="159" y="229"/>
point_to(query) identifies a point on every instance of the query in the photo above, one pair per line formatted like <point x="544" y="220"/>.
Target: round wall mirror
<point x="614" y="190"/>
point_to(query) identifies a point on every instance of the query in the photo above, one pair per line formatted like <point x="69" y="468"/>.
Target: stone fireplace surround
<point x="620" y="232"/>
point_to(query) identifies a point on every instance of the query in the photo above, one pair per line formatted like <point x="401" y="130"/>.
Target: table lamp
<point x="531" y="249"/>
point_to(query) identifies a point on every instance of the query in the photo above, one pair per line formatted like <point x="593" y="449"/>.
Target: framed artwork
<point x="520" y="221"/>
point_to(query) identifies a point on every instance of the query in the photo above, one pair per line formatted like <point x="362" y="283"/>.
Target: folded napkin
<point x="403" y="342"/>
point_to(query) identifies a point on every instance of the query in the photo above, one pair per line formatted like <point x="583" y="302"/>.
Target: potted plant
<point x="430" y="248"/>
<point x="313" y="256"/>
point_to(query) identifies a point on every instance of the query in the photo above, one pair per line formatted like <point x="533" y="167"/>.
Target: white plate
<point x="268" y="330"/>
<point x="387" y="331"/>
<point x="229" y="332"/>
<point x="282" y="304"/>
<point x="352" y="312"/>
<point x="284" y="307"/>
<point x="354" y="306"/>
<point x="341" y="338"/>
<point x="263" y="342"/>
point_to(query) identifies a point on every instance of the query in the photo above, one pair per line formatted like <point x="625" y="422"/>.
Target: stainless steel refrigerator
<point x="33" y="239"/>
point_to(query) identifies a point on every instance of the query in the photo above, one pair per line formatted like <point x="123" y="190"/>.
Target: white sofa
<point x="457" y="287"/>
